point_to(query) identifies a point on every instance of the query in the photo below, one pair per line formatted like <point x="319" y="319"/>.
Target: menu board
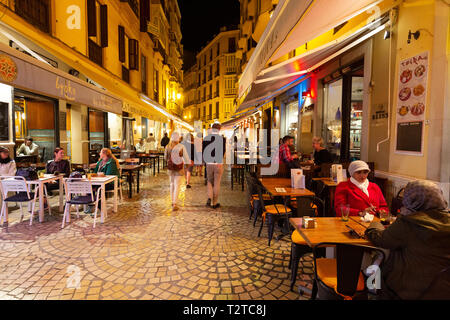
<point x="411" y="103"/>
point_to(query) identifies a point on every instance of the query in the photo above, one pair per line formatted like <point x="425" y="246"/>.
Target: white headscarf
<point x="363" y="186"/>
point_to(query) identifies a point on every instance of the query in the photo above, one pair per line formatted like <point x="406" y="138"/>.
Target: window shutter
<point x="133" y="50"/>
<point x="104" y="25"/>
<point x="121" y="44"/>
<point x="145" y="14"/>
<point x="92" y="18"/>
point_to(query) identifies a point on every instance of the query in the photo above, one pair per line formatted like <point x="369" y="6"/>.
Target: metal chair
<point x="79" y="192"/>
<point x="18" y="185"/>
<point x="341" y="278"/>
<point x="273" y="212"/>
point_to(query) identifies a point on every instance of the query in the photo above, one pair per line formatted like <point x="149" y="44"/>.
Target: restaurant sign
<point x="411" y="104"/>
<point x="21" y="71"/>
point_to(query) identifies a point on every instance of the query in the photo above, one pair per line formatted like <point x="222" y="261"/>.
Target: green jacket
<point x="419" y="249"/>
<point x="110" y="169"/>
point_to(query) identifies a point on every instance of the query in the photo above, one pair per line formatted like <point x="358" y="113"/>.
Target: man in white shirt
<point x="28" y="148"/>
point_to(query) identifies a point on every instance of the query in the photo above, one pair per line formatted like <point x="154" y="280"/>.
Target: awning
<point x="295" y="22"/>
<point x="22" y="71"/>
<point x="277" y="79"/>
<point x="156" y="106"/>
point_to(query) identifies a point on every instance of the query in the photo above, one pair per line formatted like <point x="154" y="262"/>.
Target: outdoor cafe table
<point x="48" y="178"/>
<point x="130" y="169"/>
<point x="149" y="156"/>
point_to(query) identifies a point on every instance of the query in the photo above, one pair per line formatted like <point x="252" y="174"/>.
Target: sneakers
<point x="188" y="186"/>
<point x="208" y="203"/>
<point x="217" y="205"/>
<point x="175" y="207"/>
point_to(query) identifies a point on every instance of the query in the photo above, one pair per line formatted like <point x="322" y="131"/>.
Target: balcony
<point x="156" y="95"/>
<point x="230" y="92"/>
<point x="216" y="95"/>
<point x="95" y="53"/>
<point x="210" y="96"/>
<point x="134" y="5"/>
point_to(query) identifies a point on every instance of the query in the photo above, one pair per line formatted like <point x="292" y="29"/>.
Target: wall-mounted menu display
<point x="411" y="104"/>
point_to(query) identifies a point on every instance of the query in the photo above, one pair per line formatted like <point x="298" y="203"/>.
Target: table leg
<point x="41" y="202"/>
<point x="61" y="195"/>
<point x="130" y="185"/>
<point x="331" y="210"/>
<point x="104" y="205"/>
<point x="158" y="164"/>
<point x="154" y="166"/>
<point x="115" y="194"/>
<point x="137" y="181"/>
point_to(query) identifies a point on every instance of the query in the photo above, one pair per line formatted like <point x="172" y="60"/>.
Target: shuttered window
<point x="121" y="44"/>
<point x="104" y="26"/>
<point x="133" y="51"/>
<point x="92" y="18"/>
<point x="145" y="14"/>
<point x="36" y="12"/>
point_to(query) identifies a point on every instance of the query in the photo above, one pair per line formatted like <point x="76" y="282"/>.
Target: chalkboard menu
<point x="4" y="123"/>
<point x="409" y="136"/>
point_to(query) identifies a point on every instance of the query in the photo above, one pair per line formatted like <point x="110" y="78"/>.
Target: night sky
<point x="201" y="20"/>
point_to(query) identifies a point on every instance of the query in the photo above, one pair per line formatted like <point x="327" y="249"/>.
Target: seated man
<point x="140" y="146"/>
<point x="28" y="148"/>
<point x="285" y="155"/>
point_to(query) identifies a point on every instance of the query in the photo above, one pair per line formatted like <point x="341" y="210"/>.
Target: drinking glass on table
<point x="385" y="217"/>
<point x="345" y="212"/>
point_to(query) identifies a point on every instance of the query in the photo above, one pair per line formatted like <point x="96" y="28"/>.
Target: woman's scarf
<point x="363" y="186"/>
<point x="5" y="161"/>
<point x="422" y="196"/>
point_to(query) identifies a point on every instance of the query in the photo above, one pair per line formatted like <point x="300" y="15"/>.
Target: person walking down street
<point x="165" y="140"/>
<point x="188" y="143"/>
<point x="176" y="156"/>
<point x="214" y="147"/>
<point x="7" y="165"/>
<point x="198" y="159"/>
<point x="417" y="267"/>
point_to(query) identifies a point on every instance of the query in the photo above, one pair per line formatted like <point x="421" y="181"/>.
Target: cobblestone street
<point x="146" y="251"/>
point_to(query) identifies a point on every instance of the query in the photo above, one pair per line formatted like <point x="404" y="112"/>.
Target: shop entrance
<point x="98" y="138"/>
<point x="343" y="112"/>
<point x="35" y="117"/>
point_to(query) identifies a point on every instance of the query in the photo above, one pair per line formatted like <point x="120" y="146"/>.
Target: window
<point x="217" y="89"/>
<point x="144" y="74"/>
<point x="164" y="93"/>
<point x="231" y="45"/>
<point x="145" y="14"/>
<point x="218" y="49"/>
<point x="133" y="52"/>
<point x="218" y="68"/>
<point x="204" y="112"/>
<point x="210" y="112"/>
<point x="204" y="76"/>
<point x="217" y="109"/>
<point x="210" y="72"/>
<point x="210" y="91"/>
<point x="97" y="30"/>
<point x="156" y="85"/>
<point x="36" y="12"/>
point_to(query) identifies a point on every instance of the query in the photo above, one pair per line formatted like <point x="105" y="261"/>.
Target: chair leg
<point x="67" y="206"/>
<point x="21" y="212"/>
<point x="95" y="212"/>
<point x="256" y="213"/>
<point x="1" y="212"/>
<point x="295" y="260"/>
<point x="78" y="213"/>
<point x="260" y="228"/>
<point x="271" y="224"/>
<point x="48" y="201"/>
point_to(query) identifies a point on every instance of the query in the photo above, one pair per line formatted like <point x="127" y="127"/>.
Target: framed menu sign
<point x="411" y="104"/>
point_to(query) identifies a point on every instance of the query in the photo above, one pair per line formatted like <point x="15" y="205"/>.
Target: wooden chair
<point x="341" y="278"/>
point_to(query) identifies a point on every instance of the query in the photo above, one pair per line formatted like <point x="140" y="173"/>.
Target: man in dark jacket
<point x="214" y="147"/>
<point x="419" y="243"/>
<point x="165" y="140"/>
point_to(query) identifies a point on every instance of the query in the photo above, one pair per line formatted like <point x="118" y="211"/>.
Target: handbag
<point x="172" y="166"/>
<point x="28" y="173"/>
<point x="397" y="203"/>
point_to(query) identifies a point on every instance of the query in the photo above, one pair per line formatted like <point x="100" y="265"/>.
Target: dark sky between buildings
<point x="201" y="20"/>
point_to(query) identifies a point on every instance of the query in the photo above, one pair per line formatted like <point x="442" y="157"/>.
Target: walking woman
<point x="7" y="165"/>
<point x="176" y="155"/>
<point x="188" y="143"/>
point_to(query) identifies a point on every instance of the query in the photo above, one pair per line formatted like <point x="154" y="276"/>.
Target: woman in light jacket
<point x="176" y="156"/>
<point x="7" y="165"/>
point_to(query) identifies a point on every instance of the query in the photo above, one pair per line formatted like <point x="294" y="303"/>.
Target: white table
<point x="40" y="185"/>
<point x="102" y="182"/>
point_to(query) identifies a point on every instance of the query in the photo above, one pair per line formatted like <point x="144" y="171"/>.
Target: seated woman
<point x="109" y="165"/>
<point x="362" y="196"/>
<point x="321" y="154"/>
<point x="57" y="166"/>
<point x="419" y="243"/>
<point x="7" y="165"/>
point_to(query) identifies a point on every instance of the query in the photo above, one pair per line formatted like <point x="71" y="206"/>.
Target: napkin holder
<point x="297" y="179"/>
<point x="308" y="223"/>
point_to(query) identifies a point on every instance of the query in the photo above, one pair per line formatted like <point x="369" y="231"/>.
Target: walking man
<point x="213" y="154"/>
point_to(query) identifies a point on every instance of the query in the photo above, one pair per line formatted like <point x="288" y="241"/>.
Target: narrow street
<point x="146" y="251"/>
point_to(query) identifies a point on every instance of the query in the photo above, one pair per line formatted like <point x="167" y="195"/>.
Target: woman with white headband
<point x="359" y="193"/>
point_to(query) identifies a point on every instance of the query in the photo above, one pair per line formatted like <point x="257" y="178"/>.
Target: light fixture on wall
<point x="387" y="34"/>
<point x="415" y="34"/>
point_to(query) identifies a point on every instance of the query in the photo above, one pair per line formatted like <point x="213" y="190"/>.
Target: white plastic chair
<point x="20" y="187"/>
<point x="83" y="195"/>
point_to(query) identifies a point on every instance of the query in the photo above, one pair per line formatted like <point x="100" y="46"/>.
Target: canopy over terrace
<point x="294" y="25"/>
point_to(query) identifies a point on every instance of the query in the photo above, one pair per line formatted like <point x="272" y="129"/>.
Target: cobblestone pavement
<point x="146" y="251"/>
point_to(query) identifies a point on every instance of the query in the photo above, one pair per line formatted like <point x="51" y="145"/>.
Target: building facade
<point x="128" y="50"/>
<point x="211" y="86"/>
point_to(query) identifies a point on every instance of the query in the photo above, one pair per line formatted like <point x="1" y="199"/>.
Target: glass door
<point x="356" y="113"/>
<point x="333" y="117"/>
